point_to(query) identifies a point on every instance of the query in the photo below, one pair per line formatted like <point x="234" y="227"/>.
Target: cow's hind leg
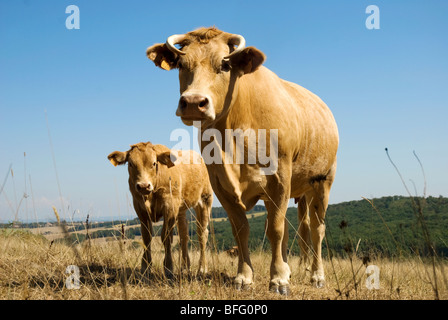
<point x="304" y="232"/>
<point x="318" y="207"/>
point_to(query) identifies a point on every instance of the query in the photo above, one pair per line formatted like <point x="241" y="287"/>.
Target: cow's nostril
<point x="144" y="187"/>
<point x="203" y="103"/>
<point x="192" y="103"/>
<point x="183" y="103"/>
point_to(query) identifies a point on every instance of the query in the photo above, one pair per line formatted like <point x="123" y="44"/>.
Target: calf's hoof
<point x="201" y="273"/>
<point x="145" y="278"/>
<point x="169" y="275"/>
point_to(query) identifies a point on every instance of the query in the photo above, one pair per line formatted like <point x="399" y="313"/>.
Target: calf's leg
<point x="167" y="240"/>
<point x="202" y="220"/>
<point x="143" y="212"/>
<point x="182" y="224"/>
<point x="147" y="233"/>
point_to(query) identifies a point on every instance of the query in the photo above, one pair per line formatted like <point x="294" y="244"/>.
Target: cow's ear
<point x="248" y="60"/>
<point x="162" y="56"/>
<point x="166" y="158"/>
<point x="117" y="158"/>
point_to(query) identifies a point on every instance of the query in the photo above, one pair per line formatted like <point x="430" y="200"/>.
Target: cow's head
<point x="210" y="62"/>
<point x="143" y="161"/>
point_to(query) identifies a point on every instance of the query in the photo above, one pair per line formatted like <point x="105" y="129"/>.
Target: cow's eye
<point x="154" y="164"/>
<point x="179" y="65"/>
<point x="226" y="66"/>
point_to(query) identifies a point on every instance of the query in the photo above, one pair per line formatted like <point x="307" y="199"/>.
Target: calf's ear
<point x="248" y="60"/>
<point x="166" y="158"/>
<point x="117" y="158"/>
<point x="162" y="56"/>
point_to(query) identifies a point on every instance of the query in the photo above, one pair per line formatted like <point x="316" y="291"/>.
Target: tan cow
<point x="224" y="86"/>
<point x="163" y="188"/>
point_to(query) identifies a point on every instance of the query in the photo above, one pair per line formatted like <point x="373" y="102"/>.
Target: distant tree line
<point x="73" y="226"/>
<point x="219" y="212"/>
<point x="388" y="226"/>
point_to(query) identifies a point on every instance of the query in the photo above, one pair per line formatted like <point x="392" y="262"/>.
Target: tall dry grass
<point x="32" y="267"/>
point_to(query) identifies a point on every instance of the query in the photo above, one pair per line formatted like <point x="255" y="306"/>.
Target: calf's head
<point x="143" y="161"/>
<point x="210" y="62"/>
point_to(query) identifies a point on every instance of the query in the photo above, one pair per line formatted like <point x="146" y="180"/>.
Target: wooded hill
<point x="389" y="226"/>
<point x="386" y="226"/>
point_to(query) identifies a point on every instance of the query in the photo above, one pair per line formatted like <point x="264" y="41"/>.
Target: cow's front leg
<point x="278" y="192"/>
<point x="240" y="230"/>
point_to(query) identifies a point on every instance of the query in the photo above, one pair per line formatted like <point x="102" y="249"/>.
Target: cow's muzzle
<point x="144" y="188"/>
<point x="193" y="107"/>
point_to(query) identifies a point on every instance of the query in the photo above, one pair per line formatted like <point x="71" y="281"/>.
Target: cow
<point x="163" y="188"/>
<point x="224" y="86"/>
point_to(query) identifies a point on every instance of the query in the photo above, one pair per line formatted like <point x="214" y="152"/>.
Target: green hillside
<point x="389" y="225"/>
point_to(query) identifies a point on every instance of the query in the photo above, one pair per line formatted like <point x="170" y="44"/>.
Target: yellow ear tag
<point x="113" y="161"/>
<point x="165" y="65"/>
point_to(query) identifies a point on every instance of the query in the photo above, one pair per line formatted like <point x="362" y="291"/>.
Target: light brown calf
<point x="162" y="188"/>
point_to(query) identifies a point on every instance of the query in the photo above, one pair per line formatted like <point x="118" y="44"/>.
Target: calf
<point x="162" y="188"/>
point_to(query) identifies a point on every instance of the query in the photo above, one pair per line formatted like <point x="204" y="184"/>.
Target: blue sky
<point x="99" y="92"/>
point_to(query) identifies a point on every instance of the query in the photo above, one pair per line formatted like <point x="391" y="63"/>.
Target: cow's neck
<point x="237" y="115"/>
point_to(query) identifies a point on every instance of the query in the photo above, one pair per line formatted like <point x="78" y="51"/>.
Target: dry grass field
<point x="33" y="267"/>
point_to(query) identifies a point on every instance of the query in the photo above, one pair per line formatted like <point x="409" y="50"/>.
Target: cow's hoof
<point x="241" y="282"/>
<point x="318" y="283"/>
<point x="241" y="286"/>
<point x="318" y="280"/>
<point x="280" y="289"/>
